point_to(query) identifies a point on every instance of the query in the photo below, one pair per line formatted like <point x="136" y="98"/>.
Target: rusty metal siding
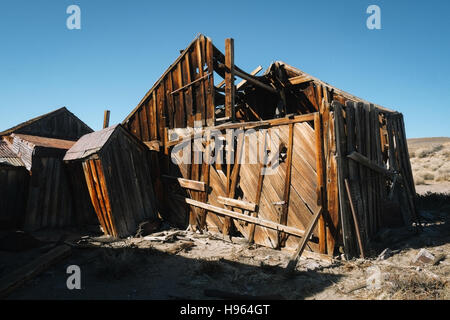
<point x="8" y="156"/>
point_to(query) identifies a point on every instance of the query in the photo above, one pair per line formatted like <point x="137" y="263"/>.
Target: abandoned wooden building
<point x="117" y="170"/>
<point x="342" y="167"/>
<point x="48" y="193"/>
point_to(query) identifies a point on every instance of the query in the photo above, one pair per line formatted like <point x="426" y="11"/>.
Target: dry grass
<point x="430" y="161"/>
<point x="417" y="287"/>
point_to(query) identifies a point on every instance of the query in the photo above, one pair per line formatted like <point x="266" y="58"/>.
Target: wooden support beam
<point x="356" y="156"/>
<point x="281" y="238"/>
<point x="192" y="83"/>
<point x="293" y="262"/>
<point x="229" y="78"/>
<point x="355" y="219"/>
<point x="241" y="204"/>
<point x="259" y="187"/>
<point x="258" y="221"/>
<point x="106" y="119"/>
<point x="295" y="119"/>
<point x="241" y="125"/>
<point x="342" y="166"/>
<point x="243" y="82"/>
<point x="299" y="80"/>
<point x="188" y="184"/>
<point x="249" y="78"/>
<point x="253" y="73"/>
<point x="321" y="194"/>
<point x="233" y="178"/>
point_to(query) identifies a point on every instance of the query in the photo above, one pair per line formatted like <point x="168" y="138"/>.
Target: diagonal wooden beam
<point x="258" y="221"/>
<point x="293" y="262"/>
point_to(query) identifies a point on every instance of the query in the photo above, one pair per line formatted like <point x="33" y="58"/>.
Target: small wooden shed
<point x="117" y="171"/>
<point x="14" y="179"/>
<point x="51" y="194"/>
<point x="52" y="200"/>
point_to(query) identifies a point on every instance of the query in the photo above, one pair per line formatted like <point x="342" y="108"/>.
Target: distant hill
<point x="415" y="143"/>
<point x="430" y="160"/>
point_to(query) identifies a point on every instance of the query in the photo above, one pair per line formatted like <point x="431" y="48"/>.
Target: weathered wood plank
<point x="355" y="219"/>
<point x="356" y="156"/>
<point x="229" y="79"/>
<point x="188" y="184"/>
<point x="341" y="147"/>
<point x="321" y="196"/>
<point x="245" y="205"/>
<point x="293" y="261"/>
<point x="261" y="222"/>
<point x="287" y="185"/>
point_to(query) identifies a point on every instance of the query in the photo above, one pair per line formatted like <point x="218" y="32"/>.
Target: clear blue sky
<point x="124" y="46"/>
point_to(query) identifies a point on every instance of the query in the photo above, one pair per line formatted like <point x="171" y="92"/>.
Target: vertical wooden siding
<point x="50" y="202"/>
<point x="14" y="183"/>
<point x="97" y="187"/>
<point x="302" y="199"/>
<point x="184" y="94"/>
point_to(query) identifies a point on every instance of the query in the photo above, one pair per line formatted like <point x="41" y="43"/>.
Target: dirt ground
<point x="176" y="264"/>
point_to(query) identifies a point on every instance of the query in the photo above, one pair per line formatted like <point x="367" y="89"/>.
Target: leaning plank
<point x="355" y="219"/>
<point x="240" y="216"/>
<point x="261" y="173"/>
<point x="237" y="203"/>
<point x="188" y="184"/>
<point x="358" y="157"/>
<point x="293" y="262"/>
<point x="320" y="180"/>
<point x="29" y="271"/>
<point x="342" y="162"/>
<point x="281" y="238"/>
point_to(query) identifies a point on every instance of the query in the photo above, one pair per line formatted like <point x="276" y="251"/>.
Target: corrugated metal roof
<point x="45" y="142"/>
<point x="7" y="156"/>
<point x="89" y="144"/>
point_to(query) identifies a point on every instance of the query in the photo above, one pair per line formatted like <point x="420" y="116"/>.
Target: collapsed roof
<point x="190" y="91"/>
